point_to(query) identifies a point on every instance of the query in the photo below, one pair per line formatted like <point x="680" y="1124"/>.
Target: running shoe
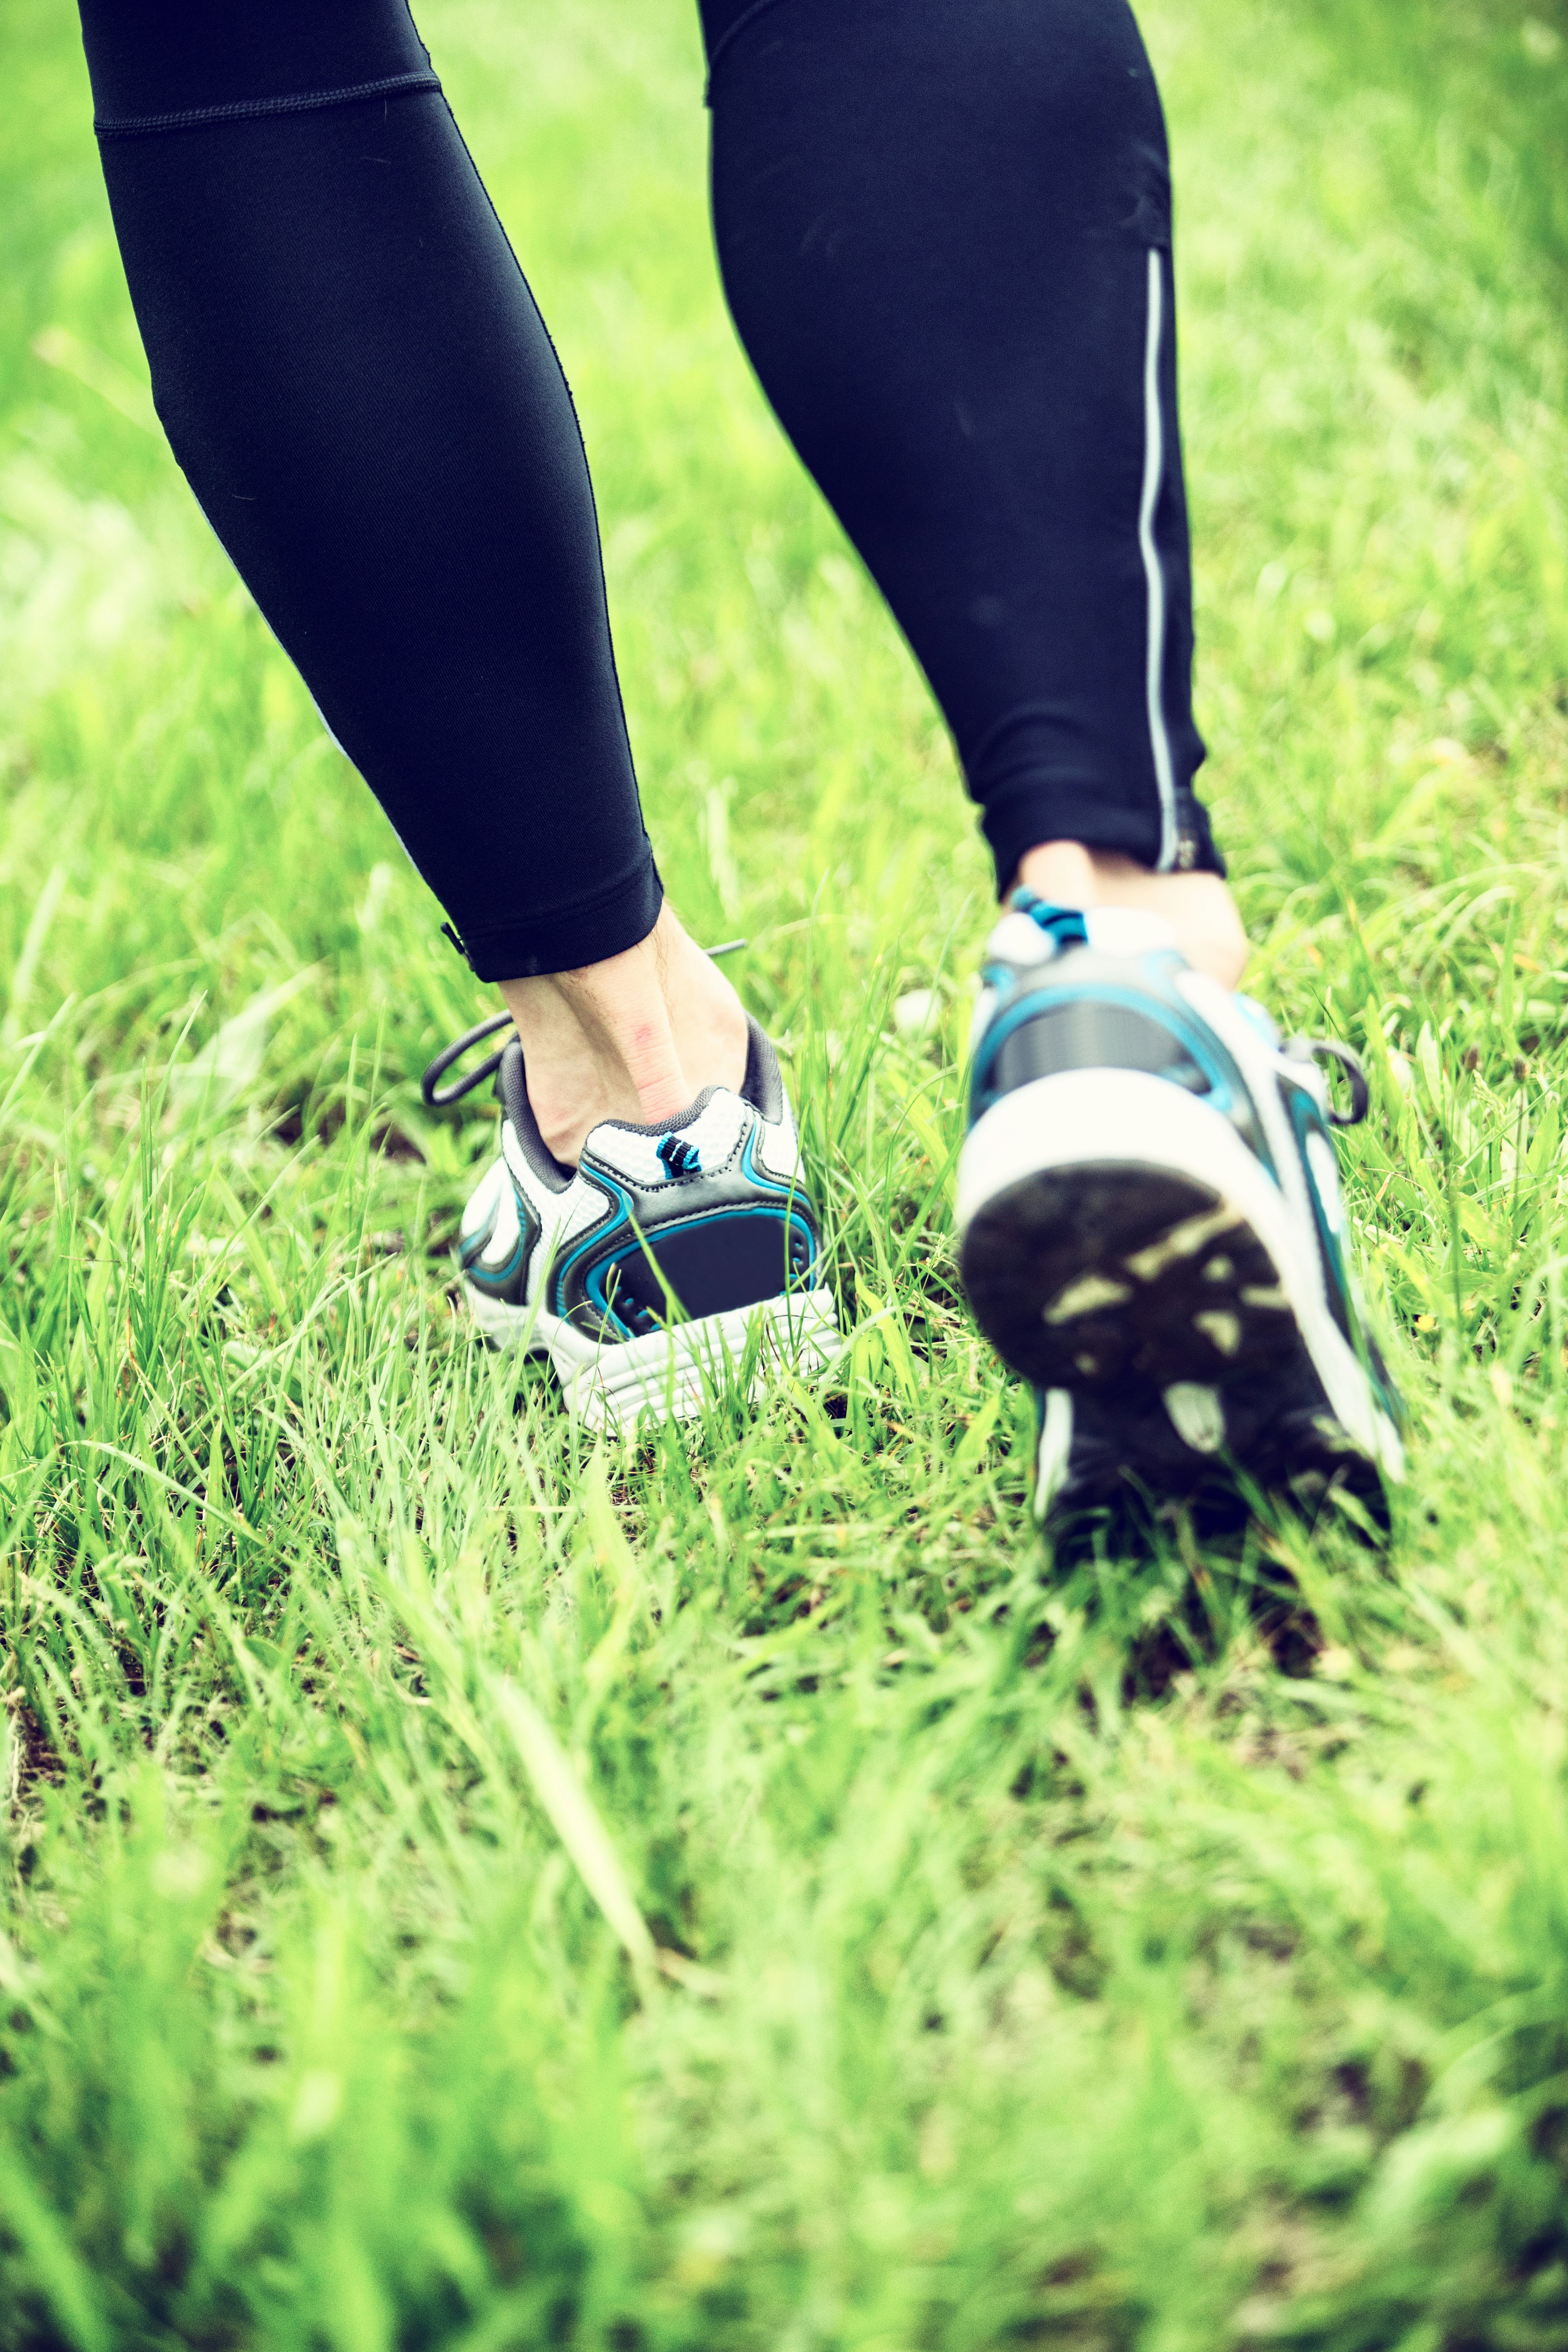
<point x="670" y="1258"/>
<point x="1152" y="1231"/>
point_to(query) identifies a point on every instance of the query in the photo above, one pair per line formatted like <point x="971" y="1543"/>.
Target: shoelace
<point x="436" y="1096"/>
<point x="1317" y="1049"/>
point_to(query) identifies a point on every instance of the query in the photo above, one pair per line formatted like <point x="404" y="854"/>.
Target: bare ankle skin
<point x="636" y="1037"/>
<point x="1198" y="907"/>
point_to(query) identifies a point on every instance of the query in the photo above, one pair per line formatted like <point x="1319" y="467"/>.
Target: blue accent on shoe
<point x="1305" y="1119"/>
<point x="494" y="1275"/>
<point x="592" y="1239"/>
<point x="1264" y="1023"/>
<point x="788" y="1188"/>
<point x="679" y="1158"/>
<point x="1065" y="925"/>
<point x="473" y="1249"/>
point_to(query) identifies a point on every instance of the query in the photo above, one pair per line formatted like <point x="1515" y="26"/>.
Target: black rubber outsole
<point x="1118" y="1283"/>
<point x="1101" y="1277"/>
<point x="1128" y="1472"/>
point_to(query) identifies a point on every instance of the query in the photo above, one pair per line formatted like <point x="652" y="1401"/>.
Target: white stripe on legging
<point x="1153" y="477"/>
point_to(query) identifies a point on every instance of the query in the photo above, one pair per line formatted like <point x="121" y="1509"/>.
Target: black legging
<point x="944" y="231"/>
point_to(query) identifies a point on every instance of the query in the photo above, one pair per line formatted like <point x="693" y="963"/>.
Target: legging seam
<point x="731" y="34"/>
<point x="138" y="126"/>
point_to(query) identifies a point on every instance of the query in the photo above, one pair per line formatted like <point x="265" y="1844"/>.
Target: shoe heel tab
<point x="676" y="1125"/>
<point x="762" y="1086"/>
<point x="512" y="1085"/>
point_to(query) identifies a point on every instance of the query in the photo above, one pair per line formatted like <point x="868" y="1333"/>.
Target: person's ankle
<point x="1198" y="907"/>
<point x="636" y="1037"/>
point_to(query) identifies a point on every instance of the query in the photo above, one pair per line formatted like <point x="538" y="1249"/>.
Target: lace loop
<point x="1317" y="1049"/>
<point x="438" y="1097"/>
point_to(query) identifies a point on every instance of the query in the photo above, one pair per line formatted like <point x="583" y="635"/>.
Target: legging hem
<point x="537" y="945"/>
<point x="1056" y="810"/>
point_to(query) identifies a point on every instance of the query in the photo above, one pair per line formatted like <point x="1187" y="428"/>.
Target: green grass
<point x="470" y="1887"/>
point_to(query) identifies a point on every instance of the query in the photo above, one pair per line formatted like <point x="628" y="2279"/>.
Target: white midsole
<point x="1082" y="1117"/>
<point x="669" y="1375"/>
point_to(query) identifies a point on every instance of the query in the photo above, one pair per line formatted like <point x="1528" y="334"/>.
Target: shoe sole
<point x="669" y="1375"/>
<point x="1121" y="1240"/>
<point x="1123" y="1476"/>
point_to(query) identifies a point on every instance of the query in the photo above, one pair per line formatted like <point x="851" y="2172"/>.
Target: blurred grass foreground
<point x="468" y="1889"/>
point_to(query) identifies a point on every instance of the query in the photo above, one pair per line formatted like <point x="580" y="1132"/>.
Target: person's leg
<point x="944" y="228"/>
<point x="354" y="377"/>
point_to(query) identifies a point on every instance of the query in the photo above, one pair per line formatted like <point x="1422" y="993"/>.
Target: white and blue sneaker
<point x="1152" y="1231"/>
<point x="670" y="1258"/>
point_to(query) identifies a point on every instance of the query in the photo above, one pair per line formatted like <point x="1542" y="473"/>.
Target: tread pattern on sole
<point x="1122" y="1284"/>
<point x="1110" y="1276"/>
<point x="1126" y="1469"/>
